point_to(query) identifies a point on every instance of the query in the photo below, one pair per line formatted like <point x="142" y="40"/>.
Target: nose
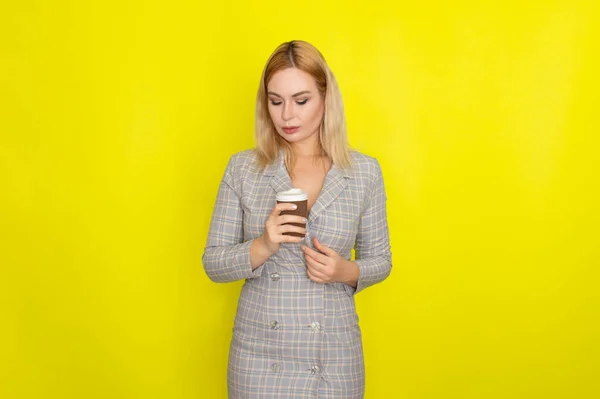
<point x="287" y="111"/>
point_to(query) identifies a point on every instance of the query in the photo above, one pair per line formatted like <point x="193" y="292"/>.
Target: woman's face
<point x="295" y="105"/>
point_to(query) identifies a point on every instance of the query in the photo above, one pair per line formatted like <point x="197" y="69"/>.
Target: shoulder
<point x="239" y="166"/>
<point x="242" y="162"/>
<point x="243" y="158"/>
<point x="365" y="166"/>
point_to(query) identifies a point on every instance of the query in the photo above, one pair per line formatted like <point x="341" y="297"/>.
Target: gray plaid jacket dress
<point x="292" y="337"/>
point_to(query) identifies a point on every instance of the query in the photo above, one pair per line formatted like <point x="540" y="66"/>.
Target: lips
<point x="291" y="129"/>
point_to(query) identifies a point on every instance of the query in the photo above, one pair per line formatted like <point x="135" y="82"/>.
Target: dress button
<point x="275" y="276"/>
<point x="276" y="367"/>
<point x="275" y="325"/>
<point x="315" y="370"/>
<point x="316" y="326"/>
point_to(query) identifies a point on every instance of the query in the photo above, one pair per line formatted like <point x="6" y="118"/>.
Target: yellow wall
<point x="118" y="117"/>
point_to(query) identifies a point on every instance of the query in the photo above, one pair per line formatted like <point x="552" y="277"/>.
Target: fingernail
<point x="304" y="220"/>
<point x="294" y="206"/>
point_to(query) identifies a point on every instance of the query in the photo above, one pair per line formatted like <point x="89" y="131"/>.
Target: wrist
<point x="259" y="253"/>
<point x="263" y="247"/>
<point x="351" y="273"/>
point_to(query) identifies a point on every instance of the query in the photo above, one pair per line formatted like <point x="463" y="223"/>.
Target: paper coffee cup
<point x="298" y="197"/>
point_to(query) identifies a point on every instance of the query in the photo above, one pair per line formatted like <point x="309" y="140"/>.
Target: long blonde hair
<point x="332" y="133"/>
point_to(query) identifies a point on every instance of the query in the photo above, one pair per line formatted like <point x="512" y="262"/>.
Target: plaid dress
<point x="292" y="337"/>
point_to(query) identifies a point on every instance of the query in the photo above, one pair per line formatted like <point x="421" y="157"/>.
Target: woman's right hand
<point x="270" y="241"/>
<point x="276" y="225"/>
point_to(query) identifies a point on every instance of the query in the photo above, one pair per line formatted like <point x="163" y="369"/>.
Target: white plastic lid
<point x="293" y="195"/>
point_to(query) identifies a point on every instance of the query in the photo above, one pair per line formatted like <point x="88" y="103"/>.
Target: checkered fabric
<point x="292" y="337"/>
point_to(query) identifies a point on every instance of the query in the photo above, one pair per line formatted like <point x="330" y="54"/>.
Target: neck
<point x="308" y="148"/>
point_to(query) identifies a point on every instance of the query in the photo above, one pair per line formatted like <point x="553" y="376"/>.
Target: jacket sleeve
<point x="372" y="248"/>
<point x="226" y="256"/>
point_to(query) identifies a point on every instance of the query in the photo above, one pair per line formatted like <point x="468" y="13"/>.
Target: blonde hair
<point x="332" y="132"/>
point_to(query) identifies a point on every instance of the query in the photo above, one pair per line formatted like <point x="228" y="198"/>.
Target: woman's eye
<point x="302" y="102"/>
<point x="275" y="102"/>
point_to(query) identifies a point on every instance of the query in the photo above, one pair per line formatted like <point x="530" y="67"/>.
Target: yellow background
<point x="118" y="118"/>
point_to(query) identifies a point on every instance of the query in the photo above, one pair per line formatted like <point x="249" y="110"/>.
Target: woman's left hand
<point x="328" y="266"/>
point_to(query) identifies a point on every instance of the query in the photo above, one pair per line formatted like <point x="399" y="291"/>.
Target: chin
<point x="291" y="138"/>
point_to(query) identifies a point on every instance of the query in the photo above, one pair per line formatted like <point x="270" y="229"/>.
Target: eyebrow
<point x="293" y="95"/>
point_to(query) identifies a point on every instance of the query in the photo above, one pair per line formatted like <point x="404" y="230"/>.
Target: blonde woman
<point x="296" y="332"/>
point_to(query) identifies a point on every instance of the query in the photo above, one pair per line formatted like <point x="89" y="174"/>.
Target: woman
<point x="296" y="332"/>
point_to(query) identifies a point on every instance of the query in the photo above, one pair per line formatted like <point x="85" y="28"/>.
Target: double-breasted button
<point x="276" y="367"/>
<point x="275" y="276"/>
<point x="315" y="370"/>
<point x="316" y="326"/>
<point x="275" y="325"/>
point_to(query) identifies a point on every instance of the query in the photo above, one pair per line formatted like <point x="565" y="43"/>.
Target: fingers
<point x="283" y="219"/>
<point x="316" y="271"/>
<point x="284" y="206"/>
<point x="276" y="234"/>
<point x="326" y="250"/>
<point x="320" y="267"/>
<point x="315" y="255"/>
<point x="315" y="265"/>
<point x="290" y="228"/>
<point x="280" y="218"/>
<point x="278" y="225"/>
<point x="286" y="238"/>
<point x="316" y="276"/>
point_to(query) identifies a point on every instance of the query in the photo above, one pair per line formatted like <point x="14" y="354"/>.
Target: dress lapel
<point x="334" y="184"/>
<point x="280" y="180"/>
